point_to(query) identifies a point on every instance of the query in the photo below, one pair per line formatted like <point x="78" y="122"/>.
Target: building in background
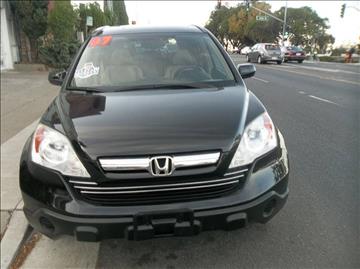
<point x="9" y="44"/>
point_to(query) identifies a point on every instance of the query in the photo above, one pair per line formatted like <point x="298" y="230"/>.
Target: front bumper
<point x="146" y="225"/>
<point x="294" y="58"/>
<point x="268" y="58"/>
<point x="53" y="213"/>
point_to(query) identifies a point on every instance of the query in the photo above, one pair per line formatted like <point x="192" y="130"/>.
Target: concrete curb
<point x="15" y="224"/>
<point x="10" y="156"/>
<point x="13" y="238"/>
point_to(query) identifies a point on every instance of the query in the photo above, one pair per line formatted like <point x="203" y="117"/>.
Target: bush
<point x="330" y="59"/>
<point x="59" y="46"/>
<point x="58" y="54"/>
<point x="338" y="51"/>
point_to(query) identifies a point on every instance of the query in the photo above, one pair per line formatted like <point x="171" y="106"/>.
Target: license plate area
<point x="163" y="224"/>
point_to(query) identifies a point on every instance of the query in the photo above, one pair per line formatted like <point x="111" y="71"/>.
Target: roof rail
<point x="99" y="30"/>
<point x="202" y="29"/>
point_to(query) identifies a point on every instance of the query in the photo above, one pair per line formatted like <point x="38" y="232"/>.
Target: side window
<point x="254" y="47"/>
<point x="219" y="68"/>
<point x="217" y="59"/>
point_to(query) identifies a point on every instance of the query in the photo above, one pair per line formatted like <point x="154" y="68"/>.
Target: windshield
<point x="137" y="60"/>
<point x="294" y="48"/>
<point x="272" y="47"/>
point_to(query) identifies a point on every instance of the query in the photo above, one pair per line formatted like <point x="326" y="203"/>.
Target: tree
<point x="60" y="44"/>
<point x="306" y="26"/>
<point x="61" y="21"/>
<point x="109" y="17"/>
<point x="93" y="10"/>
<point x="323" y="41"/>
<point x="120" y="16"/>
<point x="32" y="18"/>
<point x="262" y="31"/>
<point x="239" y="26"/>
<point x="218" y="23"/>
<point x="244" y="29"/>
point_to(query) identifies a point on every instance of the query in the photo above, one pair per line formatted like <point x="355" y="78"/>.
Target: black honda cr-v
<point x="153" y="133"/>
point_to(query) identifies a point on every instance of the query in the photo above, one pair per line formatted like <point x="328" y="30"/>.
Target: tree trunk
<point x="28" y="49"/>
<point x="34" y="50"/>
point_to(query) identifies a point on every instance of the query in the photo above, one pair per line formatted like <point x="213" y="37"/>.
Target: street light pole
<point x="284" y="24"/>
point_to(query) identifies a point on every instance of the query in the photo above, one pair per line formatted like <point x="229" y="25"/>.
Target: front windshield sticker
<point x="100" y="41"/>
<point x="88" y="70"/>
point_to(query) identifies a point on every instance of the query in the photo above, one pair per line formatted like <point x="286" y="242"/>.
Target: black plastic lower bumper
<point x="151" y="224"/>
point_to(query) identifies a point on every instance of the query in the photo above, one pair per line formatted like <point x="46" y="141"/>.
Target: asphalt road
<point x="316" y="106"/>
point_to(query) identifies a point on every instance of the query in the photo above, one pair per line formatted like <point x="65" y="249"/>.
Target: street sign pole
<point x="284" y="24"/>
<point x="270" y="15"/>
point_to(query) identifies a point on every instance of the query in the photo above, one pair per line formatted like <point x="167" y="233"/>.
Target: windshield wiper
<point x="83" y="89"/>
<point x="166" y="86"/>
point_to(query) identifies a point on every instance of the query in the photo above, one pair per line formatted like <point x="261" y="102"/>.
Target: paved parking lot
<point x="317" y="110"/>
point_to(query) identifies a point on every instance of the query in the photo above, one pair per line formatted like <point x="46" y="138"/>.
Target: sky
<point x="345" y="30"/>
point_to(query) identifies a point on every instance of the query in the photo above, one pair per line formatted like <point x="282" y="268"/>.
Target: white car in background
<point x="245" y="50"/>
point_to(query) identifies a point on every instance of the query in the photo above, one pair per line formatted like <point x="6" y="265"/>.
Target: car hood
<point x="150" y="122"/>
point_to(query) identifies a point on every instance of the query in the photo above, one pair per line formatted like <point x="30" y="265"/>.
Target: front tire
<point x="259" y="60"/>
<point x="300" y="61"/>
<point x="279" y="62"/>
<point x="247" y="58"/>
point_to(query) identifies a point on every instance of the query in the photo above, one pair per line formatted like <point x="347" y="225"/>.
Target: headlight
<point x="259" y="138"/>
<point x="53" y="150"/>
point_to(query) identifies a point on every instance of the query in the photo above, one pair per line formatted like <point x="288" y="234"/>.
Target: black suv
<point x="153" y="133"/>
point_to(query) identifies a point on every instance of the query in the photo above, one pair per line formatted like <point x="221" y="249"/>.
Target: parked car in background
<point x="245" y="50"/>
<point x="265" y="52"/>
<point x="236" y="51"/>
<point x="293" y="53"/>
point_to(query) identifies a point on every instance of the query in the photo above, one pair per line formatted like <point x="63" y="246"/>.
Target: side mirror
<point x="57" y="77"/>
<point x="246" y="70"/>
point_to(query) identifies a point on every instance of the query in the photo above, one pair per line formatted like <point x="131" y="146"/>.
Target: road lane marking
<point x="311" y="75"/>
<point x="323" y="100"/>
<point x="317" y="68"/>
<point x="263" y="80"/>
<point x="325" y="69"/>
<point x="301" y="92"/>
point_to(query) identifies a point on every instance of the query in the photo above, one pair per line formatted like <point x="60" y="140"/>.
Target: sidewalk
<point x="24" y="97"/>
<point x="64" y="252"/>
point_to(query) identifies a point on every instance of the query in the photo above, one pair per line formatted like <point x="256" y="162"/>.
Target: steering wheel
<point x="191" y="73"/>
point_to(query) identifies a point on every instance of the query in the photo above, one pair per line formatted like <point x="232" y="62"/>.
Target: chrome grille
<point x="143" y="163"/>
<point x="156" y="190"/>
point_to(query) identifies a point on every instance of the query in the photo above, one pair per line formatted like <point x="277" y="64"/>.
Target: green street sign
<point x="262" y="18"/>
<point x="89" y="21"/>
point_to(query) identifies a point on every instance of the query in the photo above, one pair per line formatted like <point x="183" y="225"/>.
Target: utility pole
<point x="284" y="24"/>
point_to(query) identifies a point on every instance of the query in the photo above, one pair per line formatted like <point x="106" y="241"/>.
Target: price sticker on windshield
<point x="100" y="41"/>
